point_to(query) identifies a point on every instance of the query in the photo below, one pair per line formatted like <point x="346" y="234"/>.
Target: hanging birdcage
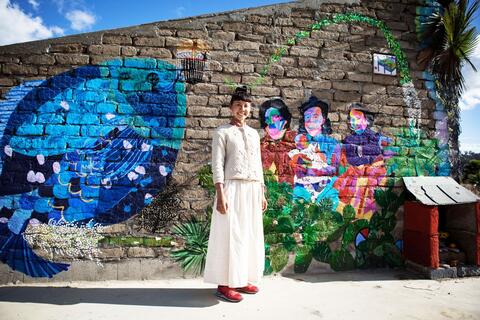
<point x="192" y="66"/>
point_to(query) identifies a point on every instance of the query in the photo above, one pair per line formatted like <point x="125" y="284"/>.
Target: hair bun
<point x="241" y="90"/>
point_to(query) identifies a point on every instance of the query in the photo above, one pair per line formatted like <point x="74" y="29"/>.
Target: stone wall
<point x="333" y="63"/>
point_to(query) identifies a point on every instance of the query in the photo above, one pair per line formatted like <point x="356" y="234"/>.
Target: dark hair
<point x="315" y="102"/>
<point x="278" y="104"/>
<point x="370" y="116"/>
<point x="240" y="94"/>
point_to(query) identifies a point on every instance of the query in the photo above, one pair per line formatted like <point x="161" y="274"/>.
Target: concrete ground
<point x="373" y="294"/>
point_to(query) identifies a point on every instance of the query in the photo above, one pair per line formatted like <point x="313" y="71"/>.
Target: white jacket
<point x="236" y="154"/>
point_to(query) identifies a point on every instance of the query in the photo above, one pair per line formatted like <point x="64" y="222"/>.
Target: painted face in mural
<point x="314" y="121"/>
<point x="358" y="121"/>
<point x="240" y="110"/>
<point x="276" y="123"/>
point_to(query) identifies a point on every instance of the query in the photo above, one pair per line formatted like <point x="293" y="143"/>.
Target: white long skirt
<point x="236" y="253"/>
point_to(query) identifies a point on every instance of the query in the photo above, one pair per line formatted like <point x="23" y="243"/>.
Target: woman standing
<point x="236" y="254"/>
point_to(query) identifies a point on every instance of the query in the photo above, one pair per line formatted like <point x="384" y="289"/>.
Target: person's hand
<point x="222" y="205"/>
<point x="264" y="203"/>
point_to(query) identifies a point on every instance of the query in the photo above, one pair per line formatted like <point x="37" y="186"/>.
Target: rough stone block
<point x="161" y="53"/>
<point x="116" y="39"/>
<point x="71" y="59"/>
<point x="238" y="68"/>
<point x="303" y="51"/>
<point x="66" y="48"/>
<point x="244" y="46"/>
<point x="149" y="42"/>
<point x="39" y="59"/>
<point x="18" y="69"/>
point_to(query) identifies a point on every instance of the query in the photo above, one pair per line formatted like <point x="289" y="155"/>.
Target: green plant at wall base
<point x="350" y="17"/>
<point x="379" y="248"/>
<point x="205" y="178"/>
<point x="315" y="231"/>
<point x="193" y="255"/>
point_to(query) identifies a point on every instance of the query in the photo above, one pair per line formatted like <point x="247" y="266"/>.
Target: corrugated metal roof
<point x="434" y="191"/>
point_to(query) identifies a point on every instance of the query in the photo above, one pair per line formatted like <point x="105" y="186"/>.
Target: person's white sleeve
<point x="218" y="157"/>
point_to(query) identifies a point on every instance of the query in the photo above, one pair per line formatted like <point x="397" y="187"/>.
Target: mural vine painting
<point x="89" y="146"/>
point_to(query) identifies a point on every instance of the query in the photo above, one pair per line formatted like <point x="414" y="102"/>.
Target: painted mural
<point x="90" y="146"/>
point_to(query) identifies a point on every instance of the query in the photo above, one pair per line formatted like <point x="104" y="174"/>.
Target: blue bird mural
<point x="92" y="145"/>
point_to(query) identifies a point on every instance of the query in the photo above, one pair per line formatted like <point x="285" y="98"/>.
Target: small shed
<point x="441" y="225"/>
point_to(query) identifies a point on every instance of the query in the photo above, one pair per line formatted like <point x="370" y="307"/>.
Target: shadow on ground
<point x="184" y="297"/>
<point x="319" y="272"/>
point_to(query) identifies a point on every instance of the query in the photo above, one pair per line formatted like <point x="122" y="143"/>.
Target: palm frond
<point x="195" y="234"/>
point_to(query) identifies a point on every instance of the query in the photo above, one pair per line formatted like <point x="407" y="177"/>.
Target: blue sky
<point x="26" y="20"/>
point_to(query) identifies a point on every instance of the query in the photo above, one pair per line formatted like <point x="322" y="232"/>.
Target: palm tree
<point x="451" y="39"/>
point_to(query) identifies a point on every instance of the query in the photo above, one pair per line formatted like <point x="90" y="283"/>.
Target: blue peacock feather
<point x="89" y="146"/>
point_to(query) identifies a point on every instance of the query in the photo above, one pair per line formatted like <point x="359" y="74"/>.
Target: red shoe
<point x="228" y="294"/>
<point x="249" y="288"/>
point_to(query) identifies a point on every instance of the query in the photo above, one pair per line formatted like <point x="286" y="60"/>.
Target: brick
<point x="205" y="88"/>
<point x="66" y="48"/>
<point x="149" y="42"/>
<point x="303" y="51"/>
<point x="104" y="49"/>
<point x="240" y="27"/>
<point x="197" y="100"/>
<point x="288" y="83"/>
<point x="19" y="69"/>
<point x="9" y="59"/>
<point x="244" y="46"/>
<point x="202" y="111"/>
<point x="238" y="68"/>
<point x="300" y="72"/>
<point x="347" y="96"/>
<point x="110" y="253"/>
<point x="128" y="51"/>
<point x="219" y="100"/>
<point x="161" y="53"/>
<point x="39" y="59"/>
<point x="178" y="42"/>
<point x="141" y="252"/>
<point x="251" y="37"/>
<point x="196" y="134"/>
<point x="223" y="56"/>
<point x="223" y="35"/>
<point x="322" y="34"/>
<point x="307" y="62"/>
<point x="293" y="93"/>
<point x="30" y="130"/>
<point x="388" y="80"/>
<point x="317" y="84"/>
<point x="62" y="130"/>
<point x="116" y="39"/>
<point x="192" y="34"/>
<point x="265" y="91"/>
<point x="361" y="77"/>
<point x="211" y="122"/>
<point x="253" y="57"/>
<point x="72" y="59"/>
<point x="82" y="118"/>
<point x="370" y="88"/>
<point x="346" y="86"/>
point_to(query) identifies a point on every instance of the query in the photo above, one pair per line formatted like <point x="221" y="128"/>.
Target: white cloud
<point x="80" y="20"/>
<point x="471" y="96"/>
<point x="34" y="4"/>
<point x="18" y="26"/>
<point x="179" y="11"/>
<point x="465" y="146"/>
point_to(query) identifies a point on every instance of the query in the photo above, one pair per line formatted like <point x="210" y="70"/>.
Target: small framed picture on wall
<point x="385" y="64"/>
